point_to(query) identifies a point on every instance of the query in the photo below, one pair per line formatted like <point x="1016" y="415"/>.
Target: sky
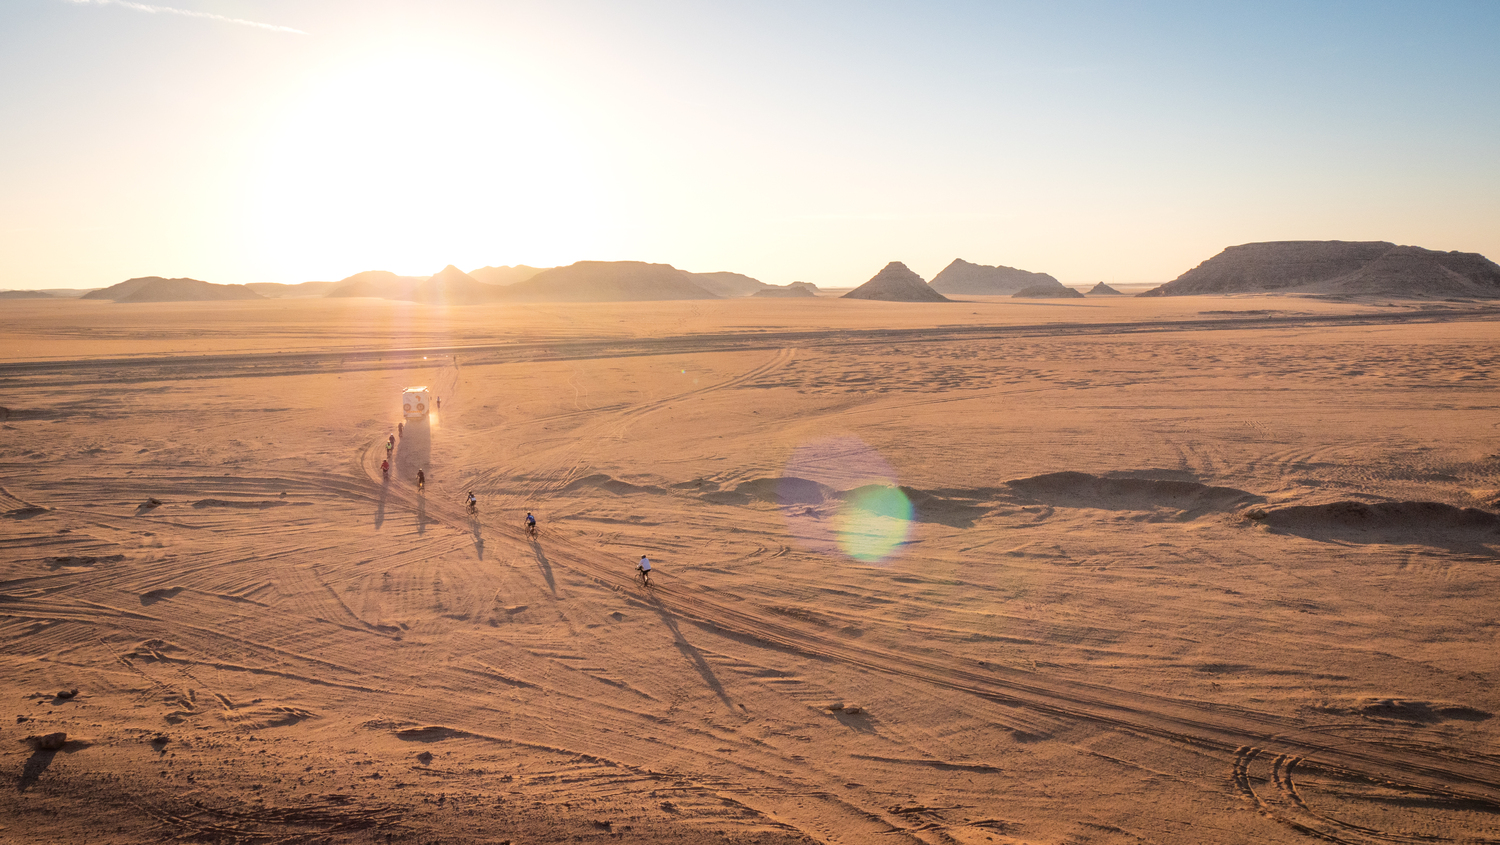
<point x="296" y="140"/>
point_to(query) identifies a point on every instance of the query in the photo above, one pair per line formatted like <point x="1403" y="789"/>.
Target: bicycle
<point x="531" y="530"/>
<point x="643" y="577"/>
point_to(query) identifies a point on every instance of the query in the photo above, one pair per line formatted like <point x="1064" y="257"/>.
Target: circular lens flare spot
<point x="873" y="522"/>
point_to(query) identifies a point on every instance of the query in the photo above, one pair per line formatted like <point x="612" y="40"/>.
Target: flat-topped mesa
<point x="158" y="289"/>
<point x="962" y="277"/>
<point x="896" y="283"/>
<point x="1340" y="268"/>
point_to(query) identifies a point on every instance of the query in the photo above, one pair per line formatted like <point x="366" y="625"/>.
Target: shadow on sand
<point x="544" y="565"/>
<point x="693" y="655"/>
<point x="477" y="529"/>
<point x="40" y="759"/>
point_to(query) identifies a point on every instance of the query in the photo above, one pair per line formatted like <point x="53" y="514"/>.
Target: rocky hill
<point x="1340" y="268"/>
<point x="607" y="281"/>
<point x="728" y="284"/>
<point x="896" y="283"/>
<point x="452" y="286"/>
<point x="504" y="275"/>
<point x="1102" y="289"/>
<point x="961" y="277"/>
<point x="158" y="289"/>
<point x="1047" y="292"/>
<point x="381" y="284"/>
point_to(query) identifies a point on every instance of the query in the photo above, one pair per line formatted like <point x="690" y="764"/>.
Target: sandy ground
<point x="1118" y="571"/>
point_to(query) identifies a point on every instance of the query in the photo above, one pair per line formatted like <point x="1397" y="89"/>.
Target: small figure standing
<point x="644" y="567"/>
<point x="440" y="403"/>
<point x="401" y="429"/>
<point x="421" y="481"/>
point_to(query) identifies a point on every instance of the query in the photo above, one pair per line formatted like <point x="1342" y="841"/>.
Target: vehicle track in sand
<point x="87" y="371"/>
<point x="1473" y="781"/>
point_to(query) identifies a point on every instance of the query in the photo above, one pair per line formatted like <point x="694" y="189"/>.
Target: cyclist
<point x="644" y="568"/>
<point x="421" y="481"/>
<point x="473" y="503"/>
<point x="530" y="524"/>
<point x="385" y="469"/>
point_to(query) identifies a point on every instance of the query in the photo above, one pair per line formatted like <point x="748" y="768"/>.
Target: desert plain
<point x="1112" y="570"/>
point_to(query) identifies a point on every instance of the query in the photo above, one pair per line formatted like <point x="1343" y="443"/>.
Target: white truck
<point x="415" y="402"/>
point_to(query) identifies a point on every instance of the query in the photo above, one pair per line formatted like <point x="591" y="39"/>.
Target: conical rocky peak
<point x="896" y="283"/>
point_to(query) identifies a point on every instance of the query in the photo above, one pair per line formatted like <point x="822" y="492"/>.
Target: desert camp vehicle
<point x="415" y="402"/>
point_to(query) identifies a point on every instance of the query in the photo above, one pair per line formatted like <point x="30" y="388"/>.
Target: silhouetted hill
<point x="607" y="281"/>
<point x="276" y="290"/>
<point x="25" y="294"/>
<point x="158" y="289"/>
<point x="1102" y="289"/>
<point x="382" y="284"/>
<point x="452" y="286"/>
<point x="795" y="289"/>
<point x="1341" y="268"/>
<point x="961" y="277"/>
<point x="896" y="283"/>
<point x="1044" y="291"/>
<point x="504" y="275"/>
<point x="727" y="284"/>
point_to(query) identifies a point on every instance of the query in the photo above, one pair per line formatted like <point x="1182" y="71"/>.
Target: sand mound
<point x="244" y="505"/>
<point x="600" y="481"/>
<point x="781" y="490"/>
<point x="1402" y="710"/>
<point x="158" y="289"/>
<point x="1374" y="268"/>
<point x="504" y="275"/>
<point x="1047" y="292"/>
<point x="896" y="283"/>
<point x="1102" y="289"/>
<point x="1424" y="523"/>
<point x="607" y="281"/>
<point x="961" y="277"/>
<point x="1080" y="489"/>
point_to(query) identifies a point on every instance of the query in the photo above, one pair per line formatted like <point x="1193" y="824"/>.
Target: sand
<point x="1177" y="570"/>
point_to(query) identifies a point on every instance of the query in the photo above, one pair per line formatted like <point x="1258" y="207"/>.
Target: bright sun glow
<point x="413" y="162"/>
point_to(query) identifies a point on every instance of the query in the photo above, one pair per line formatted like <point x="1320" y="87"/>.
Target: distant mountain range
<point x="1340" y="268"/>
<point x="157" y="289"/>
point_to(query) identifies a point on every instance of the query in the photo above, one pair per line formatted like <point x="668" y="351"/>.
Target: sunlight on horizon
<point x="415" y="161"/>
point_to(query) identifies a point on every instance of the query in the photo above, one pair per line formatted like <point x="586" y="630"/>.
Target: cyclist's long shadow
<point x="692" y="654"/>
<point x="546" y="567"/>
<point x="421" y="513"/>
<point x="385" y="490"/>
<point x="478" y="530"/>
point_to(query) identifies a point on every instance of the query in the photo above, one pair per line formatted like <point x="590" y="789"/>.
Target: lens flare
<point x="873" y="522"/>
<point x="841" y="498"/>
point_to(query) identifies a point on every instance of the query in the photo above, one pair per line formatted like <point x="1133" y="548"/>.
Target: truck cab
<point x="415" y="402"/>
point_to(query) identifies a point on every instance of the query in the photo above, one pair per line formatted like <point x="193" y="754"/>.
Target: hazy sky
<point x="292" y="140"/>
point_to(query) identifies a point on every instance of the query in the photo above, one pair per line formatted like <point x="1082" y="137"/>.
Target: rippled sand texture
<point x="1218" y="570"/>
